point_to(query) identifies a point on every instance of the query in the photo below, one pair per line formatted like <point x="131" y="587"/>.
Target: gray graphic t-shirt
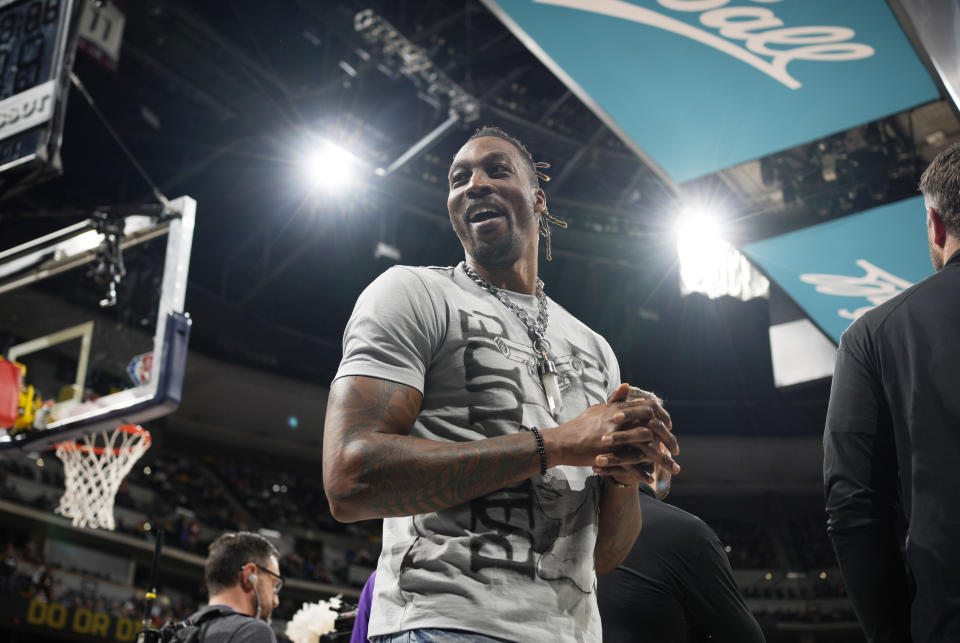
<point x="516" y="564"/>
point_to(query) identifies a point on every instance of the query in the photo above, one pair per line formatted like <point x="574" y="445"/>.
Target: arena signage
<point x="70" y="623"/>
<point x="27" y="109"/>
<point x="700" y="85"/>
<point x="837" y="271"/>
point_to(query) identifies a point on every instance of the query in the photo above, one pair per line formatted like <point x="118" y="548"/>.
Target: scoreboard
<point x="37" y="43"/>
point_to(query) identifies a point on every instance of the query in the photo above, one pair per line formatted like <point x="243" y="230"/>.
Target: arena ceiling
<point x="218" y="100"/>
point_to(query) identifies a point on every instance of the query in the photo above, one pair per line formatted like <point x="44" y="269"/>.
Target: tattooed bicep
<point x="368" y="404"/>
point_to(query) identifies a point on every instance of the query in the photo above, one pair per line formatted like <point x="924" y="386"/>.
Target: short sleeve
<point x="254" y="631"/>
<point x="394" y="330"/>
<point x="713" y="599"/>
<point x="612" y="366"/>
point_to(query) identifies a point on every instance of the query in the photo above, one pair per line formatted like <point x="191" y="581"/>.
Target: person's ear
<point x="248" y="576"/>
<point x="935" y="222"/>
<point x="539" y="201"/>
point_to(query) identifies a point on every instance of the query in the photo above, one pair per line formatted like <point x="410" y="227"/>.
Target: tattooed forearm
<point x="620" y="522"/>
<point x="372" y="468"/>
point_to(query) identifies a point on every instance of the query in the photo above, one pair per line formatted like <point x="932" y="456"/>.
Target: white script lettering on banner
<point x="768" y="46"/>
<point x="876" y="286"/>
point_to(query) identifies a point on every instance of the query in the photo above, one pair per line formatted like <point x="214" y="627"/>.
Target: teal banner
<point x="696" y="86"/>
<point x="838" y="270"/>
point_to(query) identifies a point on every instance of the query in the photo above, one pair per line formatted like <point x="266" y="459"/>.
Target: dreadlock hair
<point x="536" y="174"/>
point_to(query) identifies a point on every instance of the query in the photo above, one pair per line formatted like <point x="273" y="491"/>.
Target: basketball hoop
<point x="94" y="472"/>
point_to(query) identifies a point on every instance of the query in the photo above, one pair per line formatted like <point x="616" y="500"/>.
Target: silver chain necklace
<point x="537" y="330"/>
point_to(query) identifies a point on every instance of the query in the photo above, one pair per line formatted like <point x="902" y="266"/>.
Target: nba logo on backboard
<point x="139" y="368"/>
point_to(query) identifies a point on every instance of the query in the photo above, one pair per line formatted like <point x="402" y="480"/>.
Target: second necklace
<point x="537" y="330"/>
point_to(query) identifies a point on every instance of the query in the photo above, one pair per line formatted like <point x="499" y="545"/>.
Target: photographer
<point x="243" y="579"/>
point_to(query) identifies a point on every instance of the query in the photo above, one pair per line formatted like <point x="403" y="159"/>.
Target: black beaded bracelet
<point x="540" y="448"/>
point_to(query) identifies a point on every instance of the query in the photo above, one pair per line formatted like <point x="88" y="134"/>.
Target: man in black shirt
<point x="243" y="579"/>
<point x="892" y="443"/>
<point x="676" y="585"/>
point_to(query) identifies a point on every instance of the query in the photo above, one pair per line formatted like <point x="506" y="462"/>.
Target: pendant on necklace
<point x="551" y="384"/>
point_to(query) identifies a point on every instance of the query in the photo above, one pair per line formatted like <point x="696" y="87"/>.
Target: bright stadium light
<point x="709" y="264"/>
<point x="699" y="245"/>
<point x="329" y="167"/>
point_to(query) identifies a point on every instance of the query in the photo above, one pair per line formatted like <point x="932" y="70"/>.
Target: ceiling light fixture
<point x="709" y="264"/>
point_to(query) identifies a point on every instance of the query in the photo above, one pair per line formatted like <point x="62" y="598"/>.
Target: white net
<point x="93" y="473"/>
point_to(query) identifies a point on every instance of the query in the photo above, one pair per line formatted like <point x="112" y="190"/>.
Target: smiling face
<point x="494" y="205"/>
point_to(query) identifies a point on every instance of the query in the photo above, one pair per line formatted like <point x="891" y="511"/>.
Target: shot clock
<point x="37" y="43"/>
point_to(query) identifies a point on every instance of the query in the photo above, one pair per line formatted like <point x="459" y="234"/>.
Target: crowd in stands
<point x="743" y="526"/>
<point x="179" y="482"/>
<point x="195" y="496"/>
<point x="273" y="494"/>
<point x="821" y="589"/>
<point x="748" y="542"/>
<point x="809" y="613"/>
<point x="25" y="572"/>
<point x="758" y="536"/>
<point x="816" y="600"/>
<point x="9" y="489"/>
<point x="809" y="540"/>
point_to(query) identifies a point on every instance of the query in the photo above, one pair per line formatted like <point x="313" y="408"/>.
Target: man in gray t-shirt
<point x="472" y="412"/>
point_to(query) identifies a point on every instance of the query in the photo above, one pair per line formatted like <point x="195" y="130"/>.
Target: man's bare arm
<point x="372" y="468"/>
<point x="619" y="526"/>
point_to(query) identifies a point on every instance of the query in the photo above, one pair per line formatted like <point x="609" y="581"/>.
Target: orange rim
<point x="133" y="429"/>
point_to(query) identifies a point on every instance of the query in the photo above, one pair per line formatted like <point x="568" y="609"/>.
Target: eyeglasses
<point x="278" y="584"/>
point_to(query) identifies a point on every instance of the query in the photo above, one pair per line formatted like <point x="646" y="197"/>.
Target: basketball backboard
<point x="94" y="312"/>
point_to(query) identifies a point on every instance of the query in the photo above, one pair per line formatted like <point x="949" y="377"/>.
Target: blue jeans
<point x="430" y="635"/>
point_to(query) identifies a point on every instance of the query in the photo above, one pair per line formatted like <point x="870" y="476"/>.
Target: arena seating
<point x="783" y="563"/>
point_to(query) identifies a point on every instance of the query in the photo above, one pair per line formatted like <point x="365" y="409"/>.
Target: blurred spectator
<point x="42" y="581"/>
<point x="8" y="569"/>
